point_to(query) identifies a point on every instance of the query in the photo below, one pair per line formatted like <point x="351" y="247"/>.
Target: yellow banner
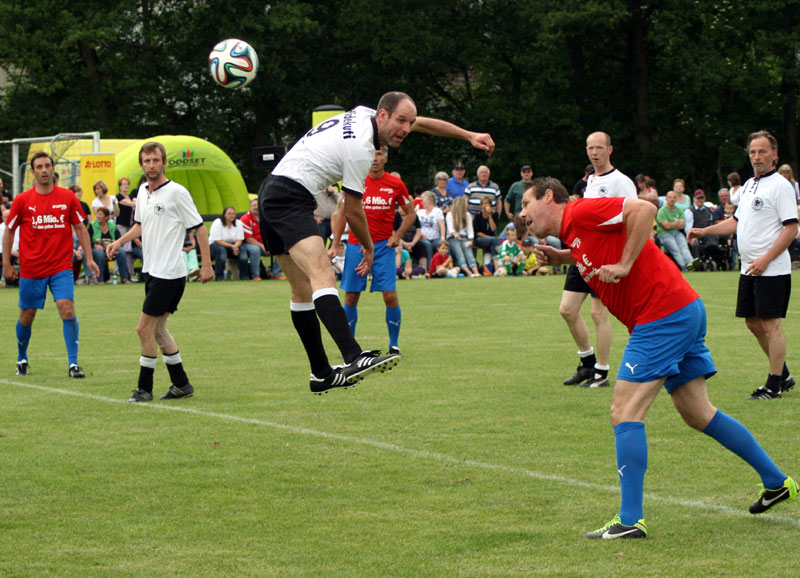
<point x="97" y="167"/>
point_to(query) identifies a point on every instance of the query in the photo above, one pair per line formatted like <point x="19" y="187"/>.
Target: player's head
<point x="543" y="204"/>
<point x="396" y="114"/>
<point x="151" y="147"/>
<point x="762" y="148"/>
<point x="100" y="188"/>
<point x="599" y="149"/>
<point x="42" y="168"/>
<point x="153" y="160"/>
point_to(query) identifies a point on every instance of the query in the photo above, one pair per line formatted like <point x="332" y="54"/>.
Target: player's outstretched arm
<point x="723" y="228"/>
<point x="480" y="140"/>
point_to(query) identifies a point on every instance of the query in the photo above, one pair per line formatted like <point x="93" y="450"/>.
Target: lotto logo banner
<point x="97" y="167"/>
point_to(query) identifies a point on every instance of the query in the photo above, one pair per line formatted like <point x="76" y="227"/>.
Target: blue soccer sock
<point x="23" y="338"/>
<point x="631" y="465"/>
<point x="738" y="439"/>
<point x="393" y="318"/>
<point x="70" y="327"/>
<point x="351" y="312"/>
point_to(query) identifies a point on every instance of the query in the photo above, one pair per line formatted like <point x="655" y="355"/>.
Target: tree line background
<point x="678" y="84"/>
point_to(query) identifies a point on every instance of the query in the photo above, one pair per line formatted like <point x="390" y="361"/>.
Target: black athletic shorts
<point x="162" y="295"/>
<point x="763" y="297"/>
<point x="286" y="211"/>
<point x="575" y="283"/>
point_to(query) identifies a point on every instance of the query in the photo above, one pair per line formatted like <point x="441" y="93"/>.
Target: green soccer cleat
<point x="616" y="529"/>
<point x="768" y="498"/>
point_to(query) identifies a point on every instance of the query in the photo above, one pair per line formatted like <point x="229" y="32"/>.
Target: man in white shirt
<point x="164" y="212"/>
<point x="765" y="223"/>
<point x="605" y="181"/>
<point x="340" y="148"/>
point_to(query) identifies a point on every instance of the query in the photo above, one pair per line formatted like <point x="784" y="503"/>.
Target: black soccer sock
<point x="306" y="324"/>
<point x="147" y="367"/>
<point x="332" y="315"/>
<point x="601" y="372"/>
<point x="785" y="373"/>
<point x="589" y="361"/>
<point x="774" y="383"/>
<point x="174" y="363"/>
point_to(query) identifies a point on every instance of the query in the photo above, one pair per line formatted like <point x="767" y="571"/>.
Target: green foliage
<point x="677" y="83"/>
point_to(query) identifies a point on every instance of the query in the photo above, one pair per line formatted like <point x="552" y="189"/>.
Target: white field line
<point x="423" y="454"/>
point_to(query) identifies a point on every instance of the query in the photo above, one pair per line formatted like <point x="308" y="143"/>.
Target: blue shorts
<point x="384" y="270"/>
<point x="32" y="292"/>
<point x="673" y="347"/>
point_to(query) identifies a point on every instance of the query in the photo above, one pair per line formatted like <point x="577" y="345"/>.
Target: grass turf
<point x="468" y="459"/>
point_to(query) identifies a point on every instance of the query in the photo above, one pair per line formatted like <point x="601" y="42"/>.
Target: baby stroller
<point x="714" y="254"/>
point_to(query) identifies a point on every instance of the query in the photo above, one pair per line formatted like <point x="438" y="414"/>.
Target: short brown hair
<point x="103" y="186"/>
<point x="541" y="184"/>
<point x="763" y="134"/>
<point x="152" y="146"/>
<point x="390" y="100"/>
<point x="39" y="155"/>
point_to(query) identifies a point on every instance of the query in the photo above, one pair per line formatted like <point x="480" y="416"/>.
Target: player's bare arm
<point x="8" y="242"/>
<point x="86" y="244"/>
<point x="547" y="255"/>
<point x="758" y="266"/>
<point x="436" y="127"/>
<point x="354" y="213"/>
<point x="133" y="233"/>
<point x="338" y="223"/>
<point x="637" y="216"/>
<point x="408" y="219"/>
<point x="723" y="229"/>
<point x="206" y="271"/>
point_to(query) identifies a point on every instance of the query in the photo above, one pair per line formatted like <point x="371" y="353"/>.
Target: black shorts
<point x="162" y="295"/>
<point x="575" y="283"/>
<point x="286" y="214"/>
<point x="763" y="297"/>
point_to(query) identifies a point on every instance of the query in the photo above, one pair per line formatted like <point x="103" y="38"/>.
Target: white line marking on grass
<point x="425" y="454"/>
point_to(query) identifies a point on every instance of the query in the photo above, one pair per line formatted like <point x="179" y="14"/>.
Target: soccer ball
<point x="233" y="63"/>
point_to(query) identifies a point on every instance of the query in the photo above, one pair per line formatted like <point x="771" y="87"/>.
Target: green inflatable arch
<point x="200" y="166"/>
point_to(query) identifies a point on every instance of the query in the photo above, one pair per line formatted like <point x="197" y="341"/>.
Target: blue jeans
<point x="489" y="246"/>
<point x="462" y="254"/>
<point x="251" y="253"/>
<point x="676" y="246"/>
<point x="430" y="247"/>
<point x="220" y="255"/>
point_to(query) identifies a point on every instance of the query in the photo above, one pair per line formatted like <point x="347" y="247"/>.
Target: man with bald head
<point x="605" y="181"/>
<point x="481" y="188"/>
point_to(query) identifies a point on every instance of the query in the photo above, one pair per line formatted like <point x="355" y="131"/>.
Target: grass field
<point x="468" y="459"/>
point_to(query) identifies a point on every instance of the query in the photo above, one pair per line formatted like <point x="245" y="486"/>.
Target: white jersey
<point x="340" y="148"/>
<point x="766" y="205"/>
<point x="164" y="215"/>
<point x="610" y="184"/>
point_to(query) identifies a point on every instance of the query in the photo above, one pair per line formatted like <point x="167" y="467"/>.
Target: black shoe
<point x="787" y="384"/>
<point x="597" y="380"/>
<point x="395" y="351"/>
<point x="334" y="379"/>
<point x="764" y="392"/>
<point x="176" y="392"/>
<point x="368" y="362"/>
<point x="768" y="498"/>
<point x="76" y="372"/>
<point x="22" y="367"/>
<point x="140" y="395"/>
<point x="582" y="374"/>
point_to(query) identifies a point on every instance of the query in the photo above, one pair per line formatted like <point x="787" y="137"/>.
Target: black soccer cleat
<point x="768" y="498"/>
<point x="334" y="379"/>
<point x="787" y="384"/>
<point x="597" y="380"/>
<point x="395" y="351"/>
<point x="175" y="392"/>
<point x="76" y="372"/>
<point x="140" y="395"/>
<point x="582" y="374"/>
<point x="367" y="362"/>
<point x="22" y="367"/>
<point x="764" y="392"/>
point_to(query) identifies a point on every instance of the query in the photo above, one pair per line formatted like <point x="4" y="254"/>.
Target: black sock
<point x="146" y="378"/>
<point x="601" y="372"/>
<point x="333" y="317"/>
<point x="589" y="360"/>
<point x="785" y="373"/>
<point x="307" y="326"/>
<point x="177" y="375"/>
<point x="774" y="382"/>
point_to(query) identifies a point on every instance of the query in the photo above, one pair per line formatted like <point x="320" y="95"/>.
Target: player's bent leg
<point x="692" y="402"/>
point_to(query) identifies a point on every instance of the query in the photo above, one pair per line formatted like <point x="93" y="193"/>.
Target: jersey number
<point x="330" y="123"/>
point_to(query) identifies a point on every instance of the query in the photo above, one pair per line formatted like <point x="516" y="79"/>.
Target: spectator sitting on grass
<point x="510" y="258"/>
<point x="531" y="266"/>
<point x="442" y="262"/>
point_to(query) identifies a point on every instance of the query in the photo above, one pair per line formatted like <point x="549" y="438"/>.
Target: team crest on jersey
<point x="603" y="191"/>
<point x="159" y="209"/>
<point x="757" y="204"/>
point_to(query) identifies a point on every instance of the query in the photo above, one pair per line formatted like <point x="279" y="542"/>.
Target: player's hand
<point x="612" y="273"/>
<point x="92" y="266"/>
<point x="393" y="241"/>
<point x="9" y="272"/>
<point x="756" y="266"/>
<point x="206" y="273"/>
<point x="111" y="250"/>
<point x="366" y="262"/>
<point x="482" y="141"/>
<point x="332" y="251"/>
<point x="695" y="234"/>
<point x="547" y="255"/>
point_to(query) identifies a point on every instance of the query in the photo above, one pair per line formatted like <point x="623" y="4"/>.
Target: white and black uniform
<point x="340" y="148"/>
<point x="610" y="184"/>
<point x="164" y="215"/>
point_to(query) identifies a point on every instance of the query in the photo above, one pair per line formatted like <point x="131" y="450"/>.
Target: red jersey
<point x="381" y="197"/>
<point x="437" y="261"/>
<point x="593" y="231"/>
<point x="45" y="236"/>
<point x="251" y="226"/>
